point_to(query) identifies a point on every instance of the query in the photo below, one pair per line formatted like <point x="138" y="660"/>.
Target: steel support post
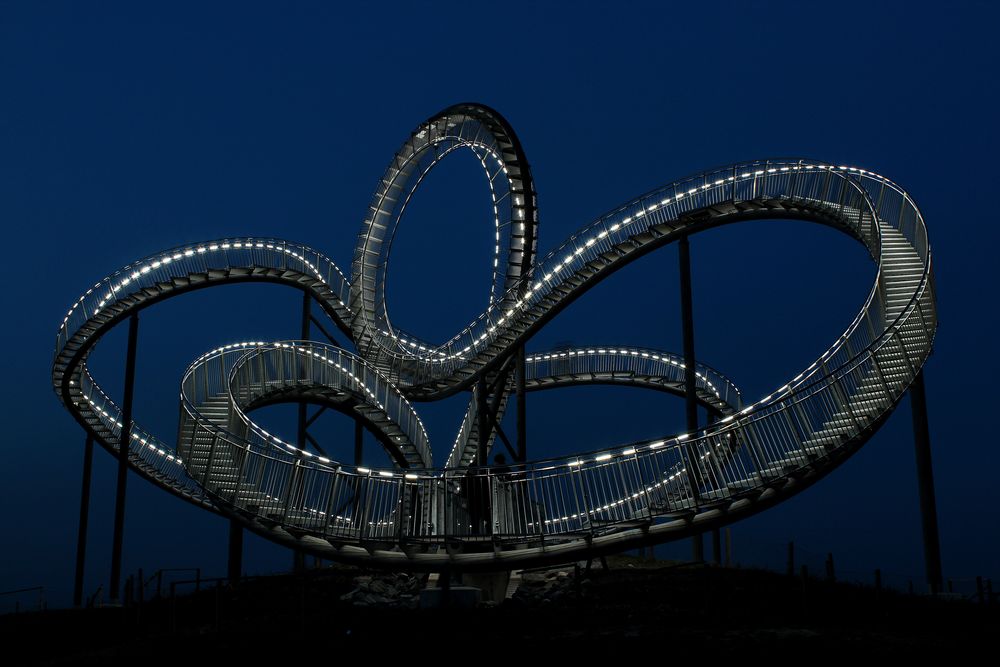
<point x="716" y="532"/>
<point x="925" y="483"/>
<point x="306" y="302"/>
<point x="234" y="564"/>
<point x="483" y="422"/>
<point x="123" y="446"/>
<point x="298" y="558"/>
<point x="81" y="537"/>
<point x="690" y="398"/>
<point x="522" y="424"/>
<point x="480" y="509"/>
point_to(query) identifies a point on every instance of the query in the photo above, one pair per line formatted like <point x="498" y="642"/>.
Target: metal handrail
<point x="741" y="182"/>
<point x="808" y="424"/>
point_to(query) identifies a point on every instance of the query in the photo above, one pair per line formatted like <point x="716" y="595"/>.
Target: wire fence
<point x="23" y="599"/>
<point x="808" y="562"/>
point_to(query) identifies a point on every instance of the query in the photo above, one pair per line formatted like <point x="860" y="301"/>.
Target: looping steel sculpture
<point x="462" y="516"/>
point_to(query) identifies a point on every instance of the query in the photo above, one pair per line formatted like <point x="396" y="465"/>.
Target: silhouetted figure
<point x="476" y="489"/>
<point x="500" y="467"/>
<point x="505" y="493"/>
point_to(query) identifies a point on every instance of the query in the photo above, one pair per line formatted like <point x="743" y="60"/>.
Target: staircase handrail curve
<point x="259" y="439"/>
<point x="466" y="125"/>
<point x="412" y="426"/>
<point x="729" y="394"/>
<point x="740" y="173"/>
<point x="144" y="271"/>
<point x="831" y="378"/>
<point x="399" y="335"/>
<point x="793" y="435"/>
<point x="148" y="454"/>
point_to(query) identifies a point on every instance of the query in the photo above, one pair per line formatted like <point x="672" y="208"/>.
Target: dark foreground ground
<point x="632" y="608"/>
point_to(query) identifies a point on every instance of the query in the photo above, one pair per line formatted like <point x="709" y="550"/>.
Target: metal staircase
<point x="417" y="515"/>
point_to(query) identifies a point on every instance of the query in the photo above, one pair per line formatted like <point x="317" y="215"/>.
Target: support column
<point x="716" y="532"/>
<point x="359" y="442"/>
<point x="298" y="557"/>
<point x="305" y="333"/>
<point x="522" y="424"/>
<point x="925" y="483"/>
<point x="690" y="399"/>
<point x="81" y="538"/>
<point x="123" y="447"/>
<point x="479" y="507"/>
<point x="483" y="422"/>
<point x="234" y="565"/>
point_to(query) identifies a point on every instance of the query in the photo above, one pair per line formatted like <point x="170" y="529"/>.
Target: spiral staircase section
<point x="421" y="514"/>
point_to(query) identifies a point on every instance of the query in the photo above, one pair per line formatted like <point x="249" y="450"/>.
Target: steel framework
<point x="463" y="514"/>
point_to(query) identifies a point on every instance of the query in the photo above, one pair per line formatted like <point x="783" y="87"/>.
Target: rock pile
<point x="390" y="589"/>
<point x="540" y="588"/>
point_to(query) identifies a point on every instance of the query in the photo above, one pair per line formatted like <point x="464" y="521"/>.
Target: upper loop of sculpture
<point x="490" y="138"/>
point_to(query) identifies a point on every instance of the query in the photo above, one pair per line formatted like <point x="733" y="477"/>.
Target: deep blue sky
<point x="125" y="130"/>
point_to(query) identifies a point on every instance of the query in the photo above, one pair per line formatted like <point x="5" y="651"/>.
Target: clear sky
<point x="129" y="128"/>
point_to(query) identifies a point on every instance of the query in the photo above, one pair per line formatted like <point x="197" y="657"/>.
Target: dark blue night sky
<point x="125" y="130"/>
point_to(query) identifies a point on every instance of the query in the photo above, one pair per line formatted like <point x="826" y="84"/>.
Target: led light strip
<point x="510" y="315"/>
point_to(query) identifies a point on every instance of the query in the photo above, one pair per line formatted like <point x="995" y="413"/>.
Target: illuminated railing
<point x="818" y="188"/>
<point x="250" y="374"/>
<point x="608" y="364"/>
<point x="806" y="425"/>
<point x="189" y="266"/>
<point x="825" y="408"/>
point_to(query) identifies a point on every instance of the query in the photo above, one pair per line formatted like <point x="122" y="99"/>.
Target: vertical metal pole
<point x="359" y="442"/>
<point x="482" y="421"/>
<point x="306" y="302"/>
<point x="480" y="509"/>
<point x="522" y="424"/>
<point x="716" y="532"/>
<point x="298" y="557"/>
<point x="690" y="399"/>
<point x="925" y="482"/>
<point x="123" y="447"/>
<point x="234" y="566"/>
<point x="81" y="538"/>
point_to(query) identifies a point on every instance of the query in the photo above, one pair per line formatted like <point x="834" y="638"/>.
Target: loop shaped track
<point x="553" y="510"/>
<point x="492" y="140"/>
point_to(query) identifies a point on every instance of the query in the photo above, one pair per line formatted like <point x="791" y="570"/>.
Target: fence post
<point x="804" y="578"/>
<point x="218" y="606"/>
<point x="173" y="609"/>
<point x="829" y="568"/>
<point x="791" y="559"/>
<point x="129" y="584"/>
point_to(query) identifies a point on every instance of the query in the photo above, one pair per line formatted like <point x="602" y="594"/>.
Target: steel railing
<point x="824" y="412"/>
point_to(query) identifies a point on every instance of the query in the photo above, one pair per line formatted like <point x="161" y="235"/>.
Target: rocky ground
<point x="392" y="590"/>
<point x="676" y="609"/>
